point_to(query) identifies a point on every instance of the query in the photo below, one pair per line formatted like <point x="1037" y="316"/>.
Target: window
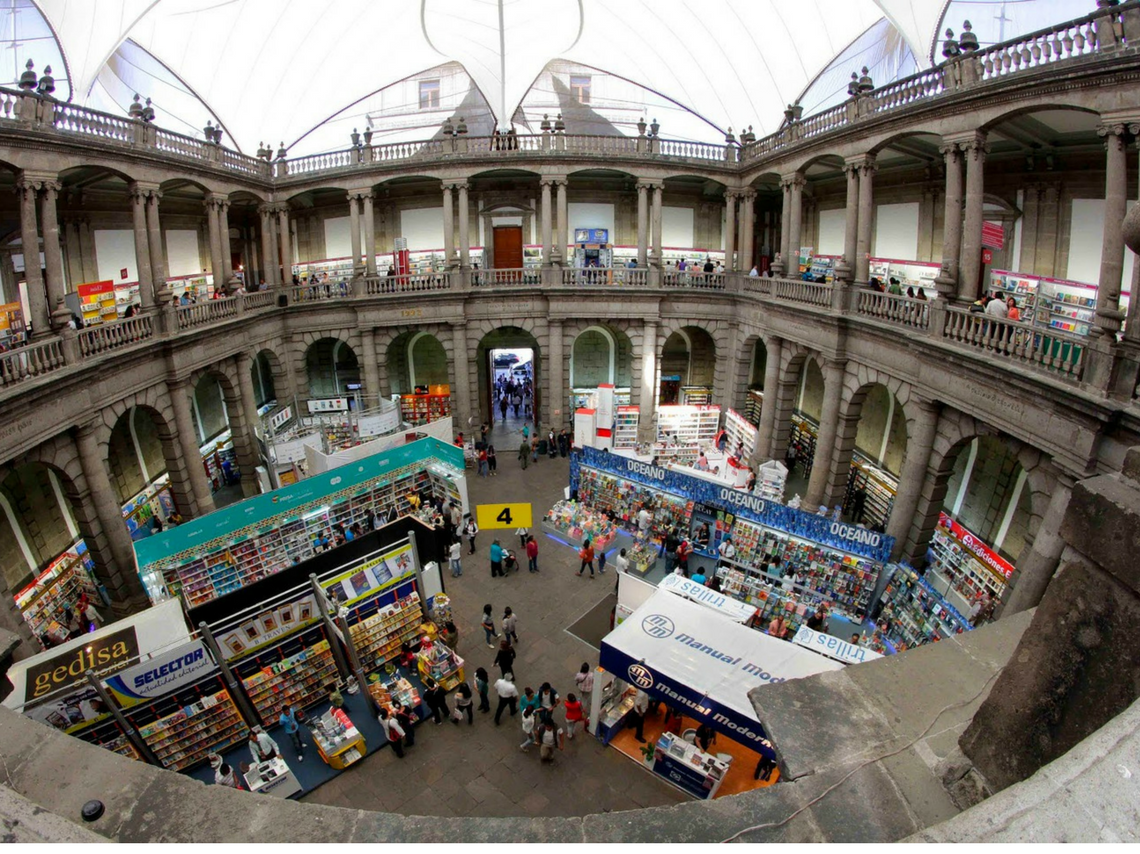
<point x="429" y="94"/>
<point x="580" y="87"/>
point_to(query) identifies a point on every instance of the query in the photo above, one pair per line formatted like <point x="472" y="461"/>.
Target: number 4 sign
<point x="490" y="516"/>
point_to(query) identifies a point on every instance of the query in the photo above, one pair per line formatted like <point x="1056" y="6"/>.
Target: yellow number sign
<point x="489" y="516"/>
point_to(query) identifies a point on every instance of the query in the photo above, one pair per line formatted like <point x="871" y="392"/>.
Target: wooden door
<point x="508" y="247"/>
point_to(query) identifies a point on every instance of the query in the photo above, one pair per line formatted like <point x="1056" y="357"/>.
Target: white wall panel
<point x="832" y="225"/>
<point x="115" y="250"/>
<point x="182" y="253"/>
<point x="589" y="215"/>
<point x="676" y="228"/>
<point x="423" y="227"/>
<point x="1085" y="238"/>
<point x="338" y="237"/>
<point x="896" y="232"/>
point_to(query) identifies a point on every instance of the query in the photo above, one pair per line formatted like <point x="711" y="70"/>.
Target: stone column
<point x="26" y="189"/>
<point x="647" y="399"/>
<point x="464" y="229"/>
<point x="461" y="394"/>
<point x="970" y="258"/>
<point x="729" y="230"/>
<point x="947" y="279"/>
<point x="371" y="363"/>
<point x="866" y="220"/>
<point x="763" y="451"/>
<point x="795" y="223"/>
<point x="247" y="398"/>
<point x="919" y="446"/>
<point x="53" y="257"/>
<point x="180" y="391"/>
<point x="448" y="226"/>
<point x="850" y="224"/>
<point x="224" y="235"/>
<point x="267" y="246"/>
<point x="642" y="224"/>
<point x="284" y="243"/>
<point x="558" y="399"/>
<point x="142" y="245"/>
<point x="154" y="243"/>
<point x="561" y="234"/>
<point x="354" y="228"/>
<point x="784" y="221"/>
<point x="545" y="219"/>
<point x="73" y="255"/>
<point x="213" y="222"/>
<point x="87" y="250"/>
<point x="833" y="371"/>
<point x="369" y="235"/>
<point x="1038" y="561"/>
<point x="112" y="539"/>
<point x="748" y="217"/>
<point x="1108" y="314"/>
<point x="655" y="222"/>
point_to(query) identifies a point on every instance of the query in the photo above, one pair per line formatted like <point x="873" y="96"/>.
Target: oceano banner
<point x="820" y="529"/>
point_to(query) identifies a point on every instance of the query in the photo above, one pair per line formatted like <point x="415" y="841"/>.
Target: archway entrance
<point x="508" y="360"/>
<point x="688" y="361"/>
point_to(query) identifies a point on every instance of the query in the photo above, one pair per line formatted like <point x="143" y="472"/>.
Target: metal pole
<point x="355" y="658"/>
<point x="419" y="572"/>
<point x="236" y="690"/>
<point x="338" y="654"/>
<point x="128" y="729"/>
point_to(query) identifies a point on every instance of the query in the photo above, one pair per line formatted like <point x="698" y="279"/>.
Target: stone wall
<point x="31" y="496"/>
<point x="210" y="419"/>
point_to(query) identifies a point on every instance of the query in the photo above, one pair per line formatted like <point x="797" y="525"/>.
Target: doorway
<point x="511" y="372"/>
<point x="508" y="247"/>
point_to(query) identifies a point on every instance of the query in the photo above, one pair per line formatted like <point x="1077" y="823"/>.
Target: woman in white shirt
<point x="584" y="679"/>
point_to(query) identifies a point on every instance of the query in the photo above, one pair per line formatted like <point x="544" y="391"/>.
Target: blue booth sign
<point x="797" y="523"/>
<point x="591" y="235"/>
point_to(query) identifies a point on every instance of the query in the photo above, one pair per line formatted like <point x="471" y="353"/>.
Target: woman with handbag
<point x="505" y="659"/>
<point x="393" y="731"/>
<point x="464" y="704"/>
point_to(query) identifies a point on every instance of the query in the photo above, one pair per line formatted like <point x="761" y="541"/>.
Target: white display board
<point x="832" y="227"/>
<point x="676" y="227"/>
<point x="1086" y="236"/>
<point x="338" y="237"/>
<point x="592" y="215"/>
<point x="896" y="231"/>
<point x="114" y="251"/>
<point x="182" y="253"/>
<point x="423" y="228"/>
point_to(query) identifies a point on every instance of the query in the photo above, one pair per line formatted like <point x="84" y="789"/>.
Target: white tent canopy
<point x="702" y="662"/>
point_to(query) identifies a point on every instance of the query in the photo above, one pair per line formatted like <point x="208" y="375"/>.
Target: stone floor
<point x="461" y="770"/>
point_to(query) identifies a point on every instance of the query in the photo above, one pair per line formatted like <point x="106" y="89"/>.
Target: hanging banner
<point x="983" y="553"/>
<point x="809" y="526"/>
<point x="834" y="647"/>
<point x="268" y="626"/>
<point x="371" y="577"/>
<point x="161" y="675"/>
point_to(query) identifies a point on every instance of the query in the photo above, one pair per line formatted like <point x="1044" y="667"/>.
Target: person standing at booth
<point x="288" y="720"/>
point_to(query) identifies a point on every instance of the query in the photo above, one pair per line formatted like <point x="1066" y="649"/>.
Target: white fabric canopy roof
<point x="272" y="70"/>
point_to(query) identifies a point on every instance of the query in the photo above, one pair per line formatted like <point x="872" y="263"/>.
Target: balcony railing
<point x="111" y="336"/>
<point x="693" y="279"/>
<point x="591" y="277"/>
<point x="185" y="146"/>
<point x="31" y="361"/>
<point x="321" y="291"/>
<point x="519" y="276"/>
<point x="207" y="311"/>
<point x="895" y="309"/>
<point x="1017" y="343"/>
<point x="793" y="290"/>
<point x="258" y="299"/>
<point x="423" y="283"/>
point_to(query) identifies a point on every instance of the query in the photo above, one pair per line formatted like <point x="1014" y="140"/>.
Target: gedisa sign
<point x="108" y="653"/>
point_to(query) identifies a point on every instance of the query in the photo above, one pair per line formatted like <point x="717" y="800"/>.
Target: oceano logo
<point x="640" y="676"/>
<point x="742" y="499"/>
<point x="658" y="626"/>
<point x="858" y="535"/>
<point x="655" y="472"/>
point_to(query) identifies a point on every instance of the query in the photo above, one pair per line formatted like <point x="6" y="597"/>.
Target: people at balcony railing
<point x="895" y="287"/>
<point x="754" y="273"/>
<point x="996" y="307"/>
<point x="709" y="266"/>
<point x="1012" y="312"/>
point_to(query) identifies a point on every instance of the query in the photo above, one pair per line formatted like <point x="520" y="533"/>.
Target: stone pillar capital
<point x="748" y="195"/>
<point x="649" y="183"/>
<point x="1107" y="130"/>
<point x="140" y="189"/>
<point x="973" y="146"/>
<point x="461" y="184"/>
<point x="360" y="194"/>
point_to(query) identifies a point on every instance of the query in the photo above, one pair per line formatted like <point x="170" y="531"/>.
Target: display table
<point x="272" y="777"/>
<point x="395" y="690"/>
<point x="642" y="558"/>
<point x="573" y="522"/>
<point x="612" y="717"/>
<point x="338" y="740"/>
<point x="687" y="767"/>
<point x="436" y="661"/>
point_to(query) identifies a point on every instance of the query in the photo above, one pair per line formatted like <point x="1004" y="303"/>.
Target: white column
<point x="224" y="233"/>
<point x="142" y="248"/>
<point x="970" y="261"/>
<point x="354" y="225"/>
<point x="748" y="226"/>
<point x="866" y="217"/>
<point x="27" y="188"/>
<point x="658" y="192"/>
<point x="545" y="215"/>
<point x="369" y="236"/>
<point x="730" y="230"/>
<point x="217" y="266"/>
<point x="561" y="233"/>
<point x="53" y="257"/>
<point x="642" y="224"/>
<point x="464" y="226"/>
<point x="284" y="242"/>
<point x="448" y="226"/>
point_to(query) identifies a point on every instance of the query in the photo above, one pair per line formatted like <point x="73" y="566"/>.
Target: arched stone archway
<point x="688" y="361"/>
<point x="503" y="337"/>
<point x="331" y="366"/>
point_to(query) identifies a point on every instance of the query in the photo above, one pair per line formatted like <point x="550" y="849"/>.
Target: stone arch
<point x="268" y="374"/>
<point x="992" y="121"/>
<point x="418" y="356"/>
<point x="40" y="513"/>
<point x="330" y="363"/>
<point x="688" y="351"/>
<point x="600" y="353"/>
<point x="510" y="332"/>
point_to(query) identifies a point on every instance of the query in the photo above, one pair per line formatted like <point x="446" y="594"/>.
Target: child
<point x="527" y="728"/>
<point x="522" y="533"/>
<point x="489" y="626"/>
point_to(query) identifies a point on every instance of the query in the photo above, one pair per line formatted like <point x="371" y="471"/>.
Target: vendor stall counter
<point x="272" y="777"/>
<point x="338" y="740"/>
<point x="687" y="767"/>
<point x="439" y="664"/>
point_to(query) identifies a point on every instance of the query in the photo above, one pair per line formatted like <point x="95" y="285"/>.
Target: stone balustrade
<point x="894" y="309"/>
<point x="420" y="283"/>
<point x="111" y="336"/>
<point x="1019" y="343"/>
<point x="35" y="359"/>
<point x="205" y="312"/>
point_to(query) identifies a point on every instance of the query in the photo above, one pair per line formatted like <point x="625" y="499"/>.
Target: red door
<point x="508" y="247"/>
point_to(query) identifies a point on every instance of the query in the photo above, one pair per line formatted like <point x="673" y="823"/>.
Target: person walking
<point x="392" y="731"/>
<point x="288" y="720"/>
<point x="523" y="534"/>
<point x="407" y="720"/>
<point x="584" y="679"/>
<point x="638" y="712"/>
<point x="575" y="715"/>
<point x="549" y="738"/>
<point x="489" y="625"/>
<point x="492" y="461"/>
<point x="496" y="559"/>
<point x="455" y="555"/>
<point x="587" y="555"/>
<point x="528" y="721"/>
<point x="510" y="626"/>
<point x="508" y="698"/>
<point x="602" y="562"/>
<point x="531" y="554"/>
<point x="524" y="453"/>
<point x="529" y="700"/>
<point x="547" y="701"/>
<point x="436" y="699"/>
<point x="464" y="704"/>
<point x="482" y="683"/>
<point x="505" y="660"/>
<point x="470" y="530"/>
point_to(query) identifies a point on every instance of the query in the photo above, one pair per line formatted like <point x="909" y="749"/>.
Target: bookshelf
<point x="378" y="637"/>
<point x="878" y="489"/>
<point x="418" y="409"/>
<point x="12" y="330"/>
<point x="753" y="407"/>
<point x="300" y="679"/>
<point x="61" y="584"/>
<point x="688" y="425"/>
<point x="740" y="431"/>
<point x="183" y="739"/>
<point x="110" y="736"/>
<point x="625" y="426"/>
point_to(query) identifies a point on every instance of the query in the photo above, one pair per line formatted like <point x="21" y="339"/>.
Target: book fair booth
<point x="696" y="663"/>
<point x="335" y="637"/>
<point x="788" y="562"/>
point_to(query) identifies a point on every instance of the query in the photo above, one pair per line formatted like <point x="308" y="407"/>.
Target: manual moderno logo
<point x="658" y="626"/>
<point x="640" y="676"/>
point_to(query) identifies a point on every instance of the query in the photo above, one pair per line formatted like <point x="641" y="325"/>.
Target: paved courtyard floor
<point x="462" y="770"/>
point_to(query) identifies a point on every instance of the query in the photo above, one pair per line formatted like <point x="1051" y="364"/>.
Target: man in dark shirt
<point x="815" y="621"/>
<point x="709" y="265"/>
